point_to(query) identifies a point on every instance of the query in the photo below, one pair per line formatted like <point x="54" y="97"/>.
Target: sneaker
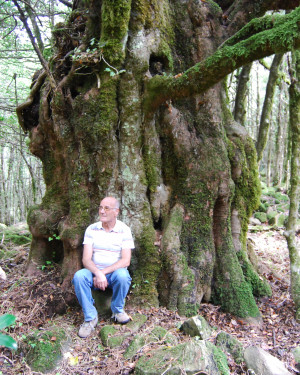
<point x="121" y="317"/>
<point x="87" y="327"/>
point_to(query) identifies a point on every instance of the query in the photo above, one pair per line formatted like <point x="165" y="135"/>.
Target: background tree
<point x="294" y="193"/>
<point x="267" y="107"/>
<point x="21" y="173"/>
<point x="132" y="104"/>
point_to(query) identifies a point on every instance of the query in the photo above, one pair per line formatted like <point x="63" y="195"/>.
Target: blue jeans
<point x="119" y="281"/>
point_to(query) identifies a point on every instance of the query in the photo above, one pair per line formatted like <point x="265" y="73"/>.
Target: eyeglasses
<point x="106" y="208"/>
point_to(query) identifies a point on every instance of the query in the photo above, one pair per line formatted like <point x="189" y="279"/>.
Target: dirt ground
<point x="35" y="302"/>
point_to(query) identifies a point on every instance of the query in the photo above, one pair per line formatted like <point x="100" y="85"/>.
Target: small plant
<point x="114" y="72"/>
<point x="53" y="237"/>
<point x="5" y="340"/>
<point x="48" y="264"/>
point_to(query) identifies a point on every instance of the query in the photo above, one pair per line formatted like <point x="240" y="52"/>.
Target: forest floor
<point x="34" y="302"/>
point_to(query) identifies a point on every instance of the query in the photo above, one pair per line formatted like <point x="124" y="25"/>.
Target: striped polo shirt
<point x="107" y="246"/>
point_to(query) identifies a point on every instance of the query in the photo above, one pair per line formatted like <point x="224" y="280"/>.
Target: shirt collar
<point x="114" y="229"/>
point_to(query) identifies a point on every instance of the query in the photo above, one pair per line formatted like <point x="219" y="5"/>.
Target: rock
<point x="136" y="323"/>
<point x="281" y="220"/>
<point x="43" y="349"/>
<point x="193" y="357"/>
<point x="197" y="326"/>
<point x="2" y="274"/>
<point x="261" y="216"/>
<point x="157" y="334"/>
<point x="136" y="344"/>
<point x="272" y="217"/>
<point x="102" y="301"/>
<point x="254" y="221"/>
<point x="109" y="337"/>
<point x="263" y="363"/>
<point x="230" y="344"/>
<point x="114" y="335"/>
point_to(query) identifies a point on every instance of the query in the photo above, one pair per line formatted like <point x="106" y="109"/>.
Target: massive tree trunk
<point x="139" y="111"/>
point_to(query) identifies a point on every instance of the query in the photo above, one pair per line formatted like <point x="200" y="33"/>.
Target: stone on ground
<point x="263" y="363"/>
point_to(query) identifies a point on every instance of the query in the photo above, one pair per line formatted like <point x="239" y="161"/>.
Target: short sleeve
<point x="127" y="242"/>
<point x="88" y="236"/>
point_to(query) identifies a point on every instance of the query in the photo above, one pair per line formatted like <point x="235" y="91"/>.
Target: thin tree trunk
<point x="290" y="233"/>
<point x="280" y="140"/>
<point x="257" y="103"/>
<point x="267" y="107"/>
<point x="36" y="29"/>
<point x="269" y="158"/>
<point x="241" y="94"/>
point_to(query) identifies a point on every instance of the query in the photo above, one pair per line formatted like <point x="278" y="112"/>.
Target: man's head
<point x="109" y="210"/>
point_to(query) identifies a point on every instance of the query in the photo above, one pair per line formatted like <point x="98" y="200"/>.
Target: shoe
<point x="121" y="317"/>
<point x="87" y="327"/>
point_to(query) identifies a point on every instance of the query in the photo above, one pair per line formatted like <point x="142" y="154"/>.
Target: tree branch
<point x="20" y="109"/>
<point x="237" y="17"/>
<point x="67" y="3"/>
<point x="44" y="63"/>
<point x="282" y="37"/>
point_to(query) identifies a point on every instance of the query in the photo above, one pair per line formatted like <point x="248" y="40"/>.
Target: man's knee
<point x="121" y="275"/>
<point x="80" y="275"/>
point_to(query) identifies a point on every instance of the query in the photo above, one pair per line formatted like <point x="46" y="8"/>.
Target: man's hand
<point x="100" y="281"/>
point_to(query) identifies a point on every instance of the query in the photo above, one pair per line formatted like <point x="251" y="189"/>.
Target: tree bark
<point x="294" y="193"/>
<point x="241" y="94"/>
<point x="144" y="118"/>
<point x="267" y="107"/>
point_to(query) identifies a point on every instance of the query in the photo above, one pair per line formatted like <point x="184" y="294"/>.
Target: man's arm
<point x="121" y="263"/>
<point x="100" y="280"/>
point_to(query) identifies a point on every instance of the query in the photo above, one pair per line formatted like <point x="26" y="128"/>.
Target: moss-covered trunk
<point x="184" y="171"/>
<point x="294" y="193"/>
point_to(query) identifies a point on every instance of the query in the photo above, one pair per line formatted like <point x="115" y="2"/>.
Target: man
<point x="106" y="256"/>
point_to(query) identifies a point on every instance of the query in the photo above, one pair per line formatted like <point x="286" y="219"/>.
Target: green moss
<point x="145" y="277"/>
<point x="271" y="215"/>
<point x="262" y="208"/>
<point x="15" y="236"/>
<point x="215" y="9"/>
<point x="220" y="359"/>
<point x="159" y="333"/>
<point x="261" y="216"/>
<point x="152" y="164"/>
<point x="43" y="349"/>
<point x="235" y="296"/>
<point x="115" y="19"/>
<point x="106" y="332"/>
<point x="94" y="119"/>
<point x="247" y="185"/>
<point x="230" y="344"/>
<point x="259" y="285"/>
<point x="137" y="343"/>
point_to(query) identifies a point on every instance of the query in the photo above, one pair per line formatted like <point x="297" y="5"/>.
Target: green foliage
<point x="53" y="237"/>
<point x="6" y="340"/>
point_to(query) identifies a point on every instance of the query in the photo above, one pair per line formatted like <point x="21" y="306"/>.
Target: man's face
<point x="108" y="211"/>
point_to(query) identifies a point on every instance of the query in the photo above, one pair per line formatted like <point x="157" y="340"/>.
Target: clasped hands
<point x="100" y="281"/>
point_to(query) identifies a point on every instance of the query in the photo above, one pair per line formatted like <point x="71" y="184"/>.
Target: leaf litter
<point x="39" y="303"/>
